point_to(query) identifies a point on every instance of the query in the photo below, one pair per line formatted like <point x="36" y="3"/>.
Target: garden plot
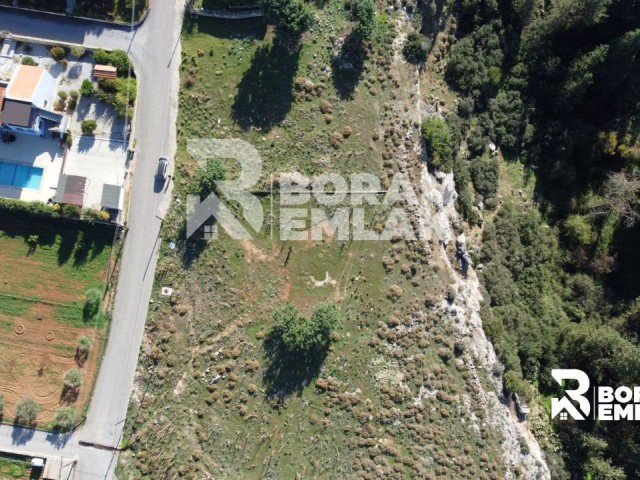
<point x="43" y="313"/>
<point x="37" y="349"/>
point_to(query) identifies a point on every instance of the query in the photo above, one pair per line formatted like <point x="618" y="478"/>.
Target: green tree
<point x="568" y="14"/>
<point x="438" y="139"/>
<point x="300" y="334"/>
<point x="601" y="469"/>
<point x="65" y="418"/>
<point x="363" y="12"/>
<point x="27" y="411"/>
<point x="73" y="379"/>
<point x="29" y="61"/>
<point x="84" y="344"/>
<point x="579" y="229"/>
<point x="93" y="298"/>
<point x="1" y="406"/>
<point x="206" y="178"/>
<point x="475" y="60"/>
<point x="507" y="110"/>
<point x="291" y="17"/>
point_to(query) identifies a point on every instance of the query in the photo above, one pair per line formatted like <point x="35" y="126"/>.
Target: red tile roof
<point x="105" y="71"/>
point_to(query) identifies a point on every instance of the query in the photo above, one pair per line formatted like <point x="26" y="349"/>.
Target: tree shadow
<point x="69" y="395"/>
<point x="288" y="372"/>
<point x="75" y="71"/>
<point x="21" y="434"/>
<point x="265" y="92"/>
<point x="250" y="29"/>
<point x="192" y="251"/>
<point x="81" y="356"/>
<point x="86" y="143"/>
<point x="84" y="106"/>
<point x="58" y="438"/>
<point x="348" y="65"/>
<point x="67" y="243"/>
<point x="81" y="251"/>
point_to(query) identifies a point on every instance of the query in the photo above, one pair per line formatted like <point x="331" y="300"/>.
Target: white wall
<point x="45" y="91"/>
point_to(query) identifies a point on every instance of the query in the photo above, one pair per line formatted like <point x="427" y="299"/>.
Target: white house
<point x="26" y="102"/>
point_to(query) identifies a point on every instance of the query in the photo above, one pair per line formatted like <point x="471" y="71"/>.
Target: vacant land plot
<point x="46" y="269"/>
<point x="396" y="395"/>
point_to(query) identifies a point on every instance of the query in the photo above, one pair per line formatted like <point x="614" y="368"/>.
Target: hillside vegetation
<point x="554" y="85"/>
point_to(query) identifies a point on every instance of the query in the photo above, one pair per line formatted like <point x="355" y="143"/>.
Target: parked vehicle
<point x="161" y="171"/>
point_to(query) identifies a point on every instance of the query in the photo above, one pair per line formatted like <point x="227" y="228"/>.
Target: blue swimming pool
<point x="20" y="176"/>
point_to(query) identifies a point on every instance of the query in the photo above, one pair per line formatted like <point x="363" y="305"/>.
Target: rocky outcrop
<point x="464" y="312"/>
<point x="434" y="215"/>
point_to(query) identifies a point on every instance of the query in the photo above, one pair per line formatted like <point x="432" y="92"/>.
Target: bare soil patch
<point x="32" y="365"/>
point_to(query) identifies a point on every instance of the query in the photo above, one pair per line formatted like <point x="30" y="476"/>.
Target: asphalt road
<point x="155" y="50"/>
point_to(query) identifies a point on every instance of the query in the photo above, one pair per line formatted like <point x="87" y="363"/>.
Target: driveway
<point x="101" y="161"/>
<point x="155" y="50"/>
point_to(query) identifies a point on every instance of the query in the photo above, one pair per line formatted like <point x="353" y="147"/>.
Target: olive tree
<point x="65" y="418"/>
<point x="27" y="411"/>
<point x="73" y="379"/>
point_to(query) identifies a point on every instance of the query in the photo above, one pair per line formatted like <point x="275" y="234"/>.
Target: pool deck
<point x="33" y="151"/>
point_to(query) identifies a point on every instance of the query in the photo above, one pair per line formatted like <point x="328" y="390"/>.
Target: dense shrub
<point x="77" y="51"/>
<point x="33" y="208"/>
<point x="71" y="210"/>
<point x="484" y="174"/>
<point x="206" y="178"/>
<point x="86" y="88"/>
<point x="475" y="61"/>
<point x="29" y="61"/>
<point x="88" y="126"/>
<point x="57" y="53"/>
<point x="579" y="229"/>
<point x="116" y="92"/>
<point x="116" y="58"/>
<point x="416" y="48"/>
<point x="68" y="138"/>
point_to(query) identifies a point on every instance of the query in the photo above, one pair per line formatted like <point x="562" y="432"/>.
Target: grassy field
<point x="46" y="268"/>
<point x="394" y="397"/>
